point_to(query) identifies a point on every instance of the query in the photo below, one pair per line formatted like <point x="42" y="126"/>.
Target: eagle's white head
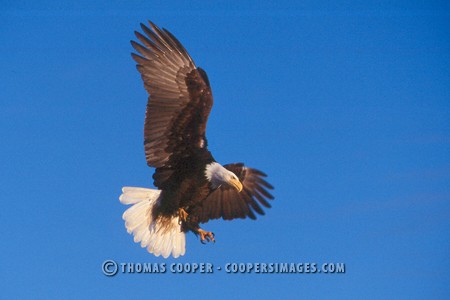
<point x="218" y="175"/>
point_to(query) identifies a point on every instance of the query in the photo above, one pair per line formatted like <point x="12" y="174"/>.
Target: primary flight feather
<point x="192" y="187"/>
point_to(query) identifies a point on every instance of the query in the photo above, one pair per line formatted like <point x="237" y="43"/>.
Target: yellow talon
<point x="205" y="236"/>
<point x="182" y="215"/>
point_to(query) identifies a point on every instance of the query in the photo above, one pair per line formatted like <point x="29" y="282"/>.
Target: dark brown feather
<point x="180" y="99"/>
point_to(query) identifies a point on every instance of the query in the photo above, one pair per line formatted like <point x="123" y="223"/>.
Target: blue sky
<point x="345" y="105"/>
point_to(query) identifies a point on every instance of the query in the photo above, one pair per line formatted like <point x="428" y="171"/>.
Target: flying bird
<point x="192" y="187"/>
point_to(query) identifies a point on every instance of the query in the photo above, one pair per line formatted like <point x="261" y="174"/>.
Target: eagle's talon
<point x="182" y="216"/>
<point x="206" y="236"/>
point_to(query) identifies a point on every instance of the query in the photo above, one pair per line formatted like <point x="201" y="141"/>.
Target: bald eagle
<point x="192" y="187"/>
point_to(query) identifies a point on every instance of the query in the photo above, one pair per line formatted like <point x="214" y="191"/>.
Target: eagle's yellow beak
<point x="236" y="184"/>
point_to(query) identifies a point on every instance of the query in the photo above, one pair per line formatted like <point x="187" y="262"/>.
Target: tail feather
<point x="133" y="195"/>
<point x="160" y="238"/>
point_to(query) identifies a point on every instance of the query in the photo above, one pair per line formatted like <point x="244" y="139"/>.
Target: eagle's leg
<point x="192" y="223"/>
<point x="182" y="215"/>
<point x="205" y="236"/>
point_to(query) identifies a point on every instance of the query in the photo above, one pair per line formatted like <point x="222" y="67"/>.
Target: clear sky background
<point x="345" y="105"/>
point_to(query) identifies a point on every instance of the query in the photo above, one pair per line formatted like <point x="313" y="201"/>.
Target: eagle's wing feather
<point x="180" y="98"/>
<point x="227" y="203"/>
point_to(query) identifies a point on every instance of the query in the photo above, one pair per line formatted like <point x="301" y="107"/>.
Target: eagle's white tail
<point x="159" y="239"/>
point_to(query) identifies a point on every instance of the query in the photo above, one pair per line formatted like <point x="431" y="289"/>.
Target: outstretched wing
<point x="227" y="203"/>
<point x="180" y="97"/>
